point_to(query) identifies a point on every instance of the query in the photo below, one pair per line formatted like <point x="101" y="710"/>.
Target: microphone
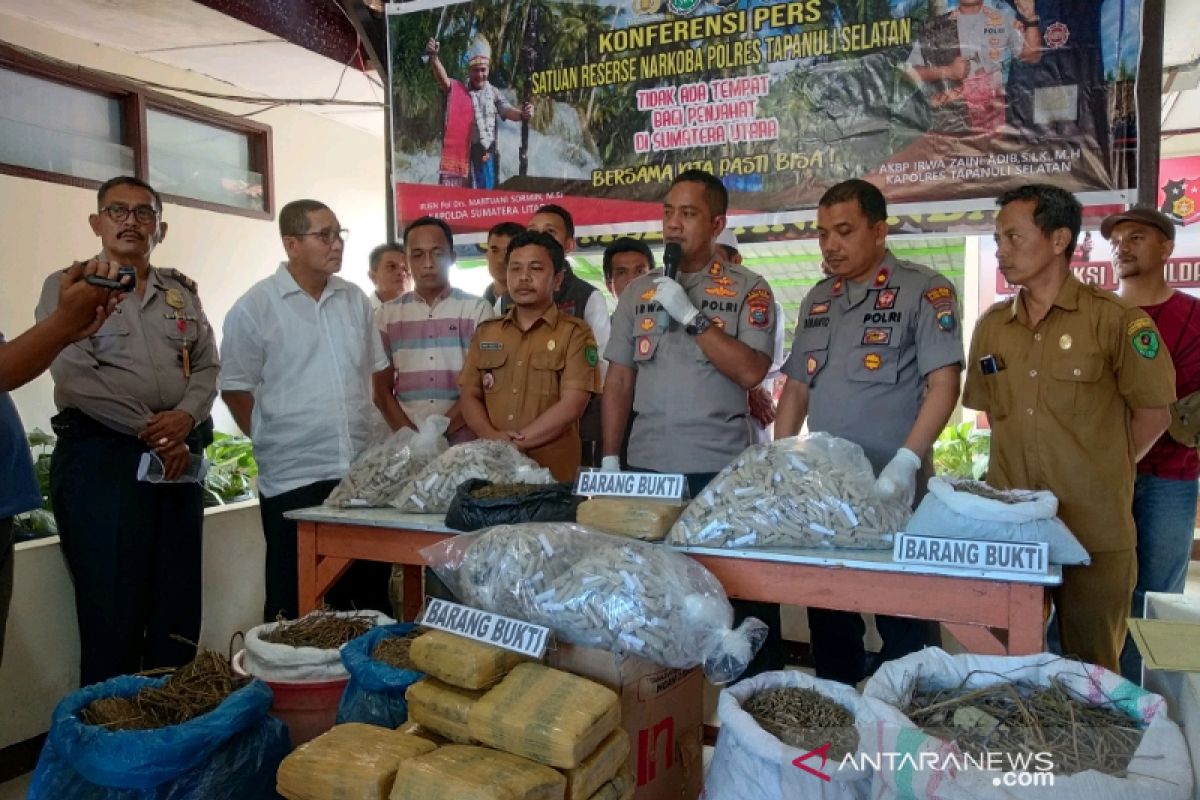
<point x="671" y="258"/>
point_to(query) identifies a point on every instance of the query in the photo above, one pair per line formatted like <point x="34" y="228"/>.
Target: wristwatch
<point x="1029" y="22"/>
<point x="698" y="325"/>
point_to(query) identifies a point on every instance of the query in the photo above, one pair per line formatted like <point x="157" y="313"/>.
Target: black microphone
<point x="671" y="257"/>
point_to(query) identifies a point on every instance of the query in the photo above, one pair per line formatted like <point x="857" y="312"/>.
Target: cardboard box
<point x="662" y="711"/>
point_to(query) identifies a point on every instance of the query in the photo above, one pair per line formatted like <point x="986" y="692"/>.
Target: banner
<point x="499" y="107"/>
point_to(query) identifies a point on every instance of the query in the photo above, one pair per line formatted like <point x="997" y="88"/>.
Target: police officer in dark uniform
<point x="143" y="383"/>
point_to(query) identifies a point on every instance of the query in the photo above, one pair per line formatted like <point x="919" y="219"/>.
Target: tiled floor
<point x="16" y="789"/>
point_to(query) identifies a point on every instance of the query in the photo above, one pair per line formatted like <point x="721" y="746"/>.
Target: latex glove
<point x="674" y="300"/>
<point x="610" y="464"/>
<point x="898" y="481"/>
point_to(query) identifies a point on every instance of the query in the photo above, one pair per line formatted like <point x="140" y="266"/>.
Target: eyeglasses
<point x="118" y="212"/>
<point x="327" y="236"/>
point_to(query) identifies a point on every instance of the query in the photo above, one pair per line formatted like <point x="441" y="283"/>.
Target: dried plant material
<point x="442" y="708"/>
<point x="550" y="716"/>
<point x="324" y="630"/>
<point x="980" y="489"/>
<point x="1078" y="733"/>
<point x="476" y="773"/>
<point x="460" y="661"/>
<point x="495" y="491"/>
<point x="349" y="762"/>
<point x="394" y="650"/>
<point x="192" y="690"/>
<point x="804" y="719"/>
<point x="648" y="520"/>
<point x="601" y="767"/>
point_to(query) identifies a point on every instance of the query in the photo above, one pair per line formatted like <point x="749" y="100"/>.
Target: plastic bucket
<point x="307" y="708"/>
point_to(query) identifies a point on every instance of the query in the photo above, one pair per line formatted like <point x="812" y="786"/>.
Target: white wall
<point x="41" y="658"/>
<point x="44" y="227"/>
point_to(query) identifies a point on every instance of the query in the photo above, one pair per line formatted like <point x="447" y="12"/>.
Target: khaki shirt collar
<point x="1067" y="299"/>
<point x="550" y="316"/>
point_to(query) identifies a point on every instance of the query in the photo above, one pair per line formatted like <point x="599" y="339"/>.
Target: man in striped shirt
<point x="426" y="333"/>
<point x="1164" y="494"/>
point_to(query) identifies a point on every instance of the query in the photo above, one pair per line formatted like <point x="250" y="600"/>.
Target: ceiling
<point x="191" y="36"/>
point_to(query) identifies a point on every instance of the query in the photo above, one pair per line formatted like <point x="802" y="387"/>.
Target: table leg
<point x="414" y="591"/>
<point x="1026" y="621"/>
<point x="306" y="549"/>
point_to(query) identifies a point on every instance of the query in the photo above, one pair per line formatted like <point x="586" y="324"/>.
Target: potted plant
<point x="39" y="522"/>
<point x="231" y="470"/>
<point x="961" y="451"/>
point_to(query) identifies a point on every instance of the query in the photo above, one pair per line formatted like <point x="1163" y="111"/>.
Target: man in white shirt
<point x="426" y="333"/>
<point x="298" y="353"/>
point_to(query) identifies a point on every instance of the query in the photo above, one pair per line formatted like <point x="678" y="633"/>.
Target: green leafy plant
<point x="231" y="470"/>
<point x="961" y="451"/>
<point x="39" y="522"/>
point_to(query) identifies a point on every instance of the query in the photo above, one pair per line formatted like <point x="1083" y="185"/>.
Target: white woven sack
<point x="281" y="662"/>
<point x="962" y="515"/>
<point x="1033" y="505"/>
<point x="751" y="764"/>
<point x="1160" y="769"/>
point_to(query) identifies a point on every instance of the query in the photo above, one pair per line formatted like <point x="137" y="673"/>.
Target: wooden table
<point x="991" y="613"/>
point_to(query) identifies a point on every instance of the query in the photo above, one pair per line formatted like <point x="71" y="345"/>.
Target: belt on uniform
<point x="71" y="423"/>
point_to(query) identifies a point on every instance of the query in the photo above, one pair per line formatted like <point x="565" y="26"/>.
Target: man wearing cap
<point x="1076" y="387"/>
<point x="1164" y="494"/>
<point x="876" y="360"/>
<point x="469" y="153"/>
<point x="760" y="399"/>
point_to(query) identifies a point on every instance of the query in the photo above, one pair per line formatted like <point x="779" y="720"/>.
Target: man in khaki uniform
<point x="1076" y="384"/>
<point x="145" y="381"/>
<point x="529" y="375"/>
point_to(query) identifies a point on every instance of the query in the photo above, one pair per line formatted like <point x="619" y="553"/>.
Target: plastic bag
<point x="375" y="693"/>
<point x="556" y="502"/>
<point x="432" y="489"/>
<point x="382" y="470"/>
<point x="597" y="590"/>
<point x="1160" y="769"/>
<point x="807" y="491"/>
<point x="282" y="662"/>
<point x="232" y="751"/>
<point x="749" y="763"/>
<point x="962" y="509"/>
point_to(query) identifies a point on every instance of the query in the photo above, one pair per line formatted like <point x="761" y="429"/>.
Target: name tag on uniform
<point x="491" y="346"/>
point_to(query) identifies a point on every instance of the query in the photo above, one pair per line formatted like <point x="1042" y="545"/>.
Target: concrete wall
<point x="44" y="225"/>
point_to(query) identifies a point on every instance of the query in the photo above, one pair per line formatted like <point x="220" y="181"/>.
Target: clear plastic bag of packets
<point x="802" y="491"/>
<point x="593" y="589"/>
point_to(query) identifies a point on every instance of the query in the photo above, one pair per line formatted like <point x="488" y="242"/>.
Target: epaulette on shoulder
<point x="187" y="282"/>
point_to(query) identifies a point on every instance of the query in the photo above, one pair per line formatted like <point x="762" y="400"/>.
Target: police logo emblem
<point x="872" y="361"/>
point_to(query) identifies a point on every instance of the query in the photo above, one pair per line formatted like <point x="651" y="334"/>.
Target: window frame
<point x="134" y="100"/>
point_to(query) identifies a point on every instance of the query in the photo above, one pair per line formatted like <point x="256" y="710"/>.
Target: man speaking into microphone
<point x="685" y="349"/>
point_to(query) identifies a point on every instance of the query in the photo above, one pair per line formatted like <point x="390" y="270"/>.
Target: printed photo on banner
<point x="499" y="107"/>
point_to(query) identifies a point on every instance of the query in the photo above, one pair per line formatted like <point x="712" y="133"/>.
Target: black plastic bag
<point x="553" y="502"/>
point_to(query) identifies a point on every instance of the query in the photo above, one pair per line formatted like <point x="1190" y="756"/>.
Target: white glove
<point x="610" y="464"/>
<point x="898" y="481"/>
<point x="674" y="300"/>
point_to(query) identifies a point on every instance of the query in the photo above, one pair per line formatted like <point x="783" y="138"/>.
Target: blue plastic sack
<point x="375" y="692"/>
<point x="232" y="751"/>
